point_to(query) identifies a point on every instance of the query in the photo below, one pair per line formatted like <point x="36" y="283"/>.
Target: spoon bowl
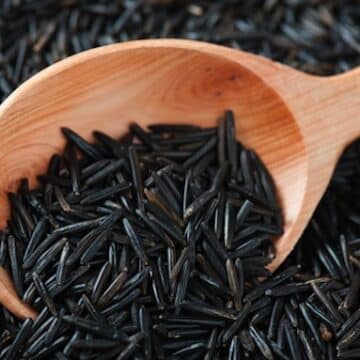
<point x="298" y="124"/>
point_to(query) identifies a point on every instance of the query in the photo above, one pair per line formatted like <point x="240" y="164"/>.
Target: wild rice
<point x="317" y="37"/>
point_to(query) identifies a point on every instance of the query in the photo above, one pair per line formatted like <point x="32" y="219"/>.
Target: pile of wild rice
<point x="302" y="319"/>
<point x="146" y="247"/>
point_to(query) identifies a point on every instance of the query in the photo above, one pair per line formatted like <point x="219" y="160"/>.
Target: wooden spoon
<point x="299" y="124"/>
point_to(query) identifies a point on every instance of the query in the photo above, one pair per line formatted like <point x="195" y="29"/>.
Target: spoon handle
<point x="340" y="100"/>
<point x="327" y="109"/>
<point x="328" y="113"/>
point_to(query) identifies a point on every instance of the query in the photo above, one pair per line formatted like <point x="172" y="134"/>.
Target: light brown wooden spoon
<point x="298" y="124"/>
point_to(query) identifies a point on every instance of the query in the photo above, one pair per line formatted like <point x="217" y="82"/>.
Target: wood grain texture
<point x="297" y="123"/>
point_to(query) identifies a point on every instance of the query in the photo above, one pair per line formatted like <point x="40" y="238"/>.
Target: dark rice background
<point x="320" y="37"/>
<point x="316" y="36"/>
